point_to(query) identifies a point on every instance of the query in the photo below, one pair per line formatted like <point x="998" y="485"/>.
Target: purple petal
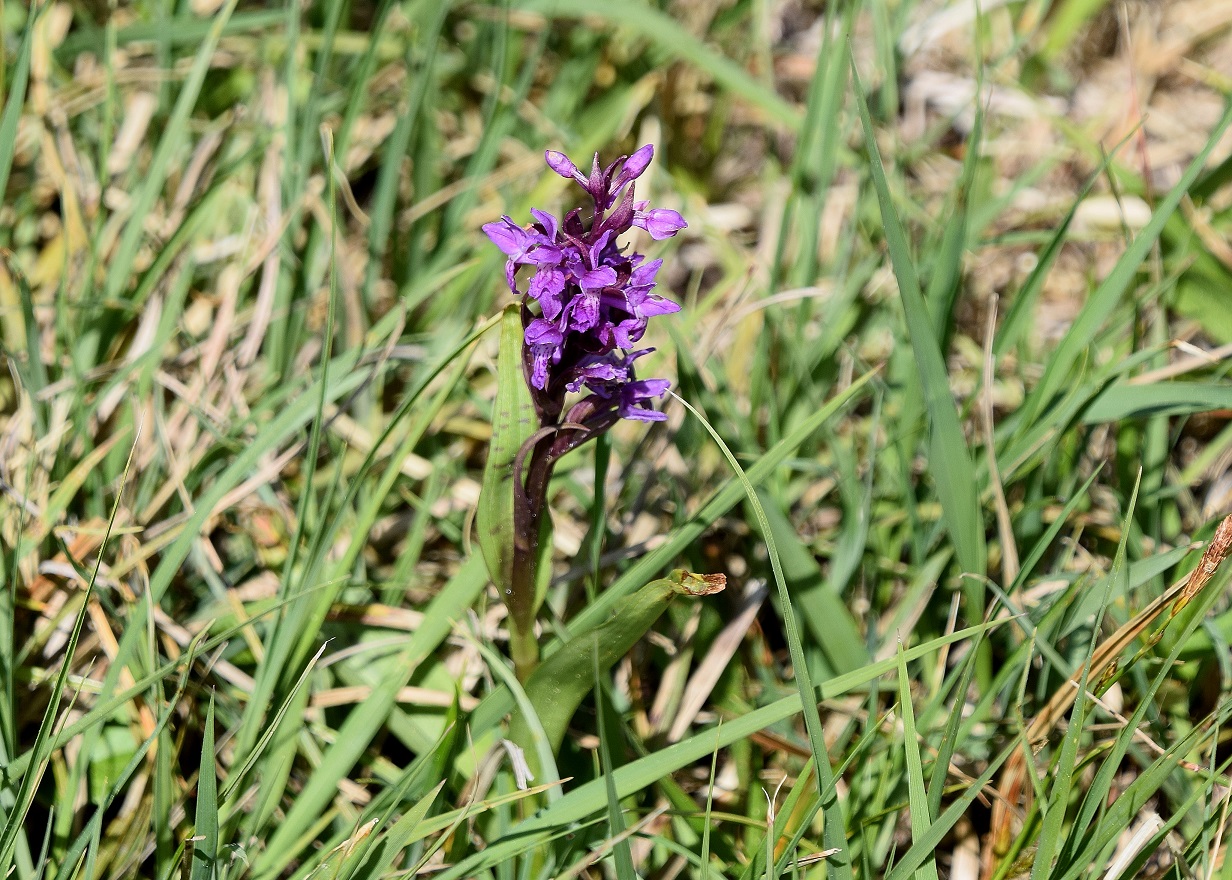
<point x="597" y="373"/>
<point x="584" y="313"/>
<point x="605" y="334"/>
<point x="546" y="287"/>
<point x="596" y="249"/>
<point x="628" y="411"/>
<point x="631" y="170"/>
<point x="661" y="223"/>
<point x="644" y="275"/>
<point x="628" y="332"/>
<point x="541" y="355"/>
<point x="508" y="236"/>
<point x="656" y="305"/>
<point x="543" y="254"/>
<point x="549" y="223"/>
<point x="644" y="389"/>
<point x="543" y="333"/>
<point x="597" y="279"/>
<point x="641" y="392"/>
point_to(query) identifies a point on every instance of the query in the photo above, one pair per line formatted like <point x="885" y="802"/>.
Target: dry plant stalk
<point x="1013" y="790"/>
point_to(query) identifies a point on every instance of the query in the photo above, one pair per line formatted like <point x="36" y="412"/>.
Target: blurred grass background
<point x="969" y="347"/>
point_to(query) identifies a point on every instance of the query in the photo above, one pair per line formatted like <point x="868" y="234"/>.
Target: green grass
<point x="250" y="349"/>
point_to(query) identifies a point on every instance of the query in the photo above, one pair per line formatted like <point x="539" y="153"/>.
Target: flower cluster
<point x="594" y="299"/>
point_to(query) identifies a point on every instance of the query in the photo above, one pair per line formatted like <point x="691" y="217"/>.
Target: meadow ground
<point x="952" y="417"/>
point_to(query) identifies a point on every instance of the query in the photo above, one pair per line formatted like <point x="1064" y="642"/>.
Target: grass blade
<point x="949" y="458"/>
<point x="205" y="827"/>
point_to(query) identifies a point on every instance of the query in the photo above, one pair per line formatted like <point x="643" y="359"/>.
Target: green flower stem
<point x="523" y="643"/>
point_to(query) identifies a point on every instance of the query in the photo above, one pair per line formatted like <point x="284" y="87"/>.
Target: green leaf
<point x="949" y="459"/>
<point x="924" y="847"/>
<point x="205" y="852"/>
<point x="826" y="616"/>
<point x="917" y="794"/>
<point x="359" y="729"/>
<point x="1125" y="401"/>
<point x="513" y="422"/>
<point x="16" y="90"/>
<point x="1018" y="316"/>
<point x="1202" y="296"/>
<point x="622" y="852"/>
<point x="399" y="837"/>
<point x="560" y="683"/>
<point x="174" y="134"/>
<point x="527" y="731"/>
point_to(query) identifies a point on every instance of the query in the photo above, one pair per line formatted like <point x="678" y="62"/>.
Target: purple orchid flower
<point x="587" y="303"/>
<point x="521" y="246"/>
<point x="594" y="298"/>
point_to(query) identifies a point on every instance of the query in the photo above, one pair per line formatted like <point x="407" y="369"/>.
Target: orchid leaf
<point x="558" y="686"/>
<point x="513" y="421"/>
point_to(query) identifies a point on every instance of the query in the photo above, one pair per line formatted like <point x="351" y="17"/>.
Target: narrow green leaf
<point x="345" y="376"/>
<point x="34" y="371"/>
<point x="945" y="279"/>
<point x="833" y="628"/>
<point x="395" y="149"/>
<point x="1129" y="803"/>
<point x="13" y="836"/>
<point x="362" y="725"/>
<point x="1095" y="801"/>
<point x="949" y="739"/>
<point x="1052" y="834"/>
<point x="188" y="30"/>
<point x="399" y="837"/>
<point x="949" y="459"/>
<point x="835" y="832"/>
<point x="925" y="847"/>
<point x="16" y="92"/>
<point x="706" y="825"/>
<point x="622" y="852"/>
<point x="526" y="732"/>
<point x="1018" y="316"/>
<point x="921" y="818"/>
<point x="205" y="827"/>
<point x="88" y="840"/>
<point x="240" y="768"/>
<point x="380" y="850"/>
<point x="1125" y="401"/>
